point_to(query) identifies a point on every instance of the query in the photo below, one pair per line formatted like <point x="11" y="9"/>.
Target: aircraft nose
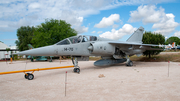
<point x="42" y="51"/>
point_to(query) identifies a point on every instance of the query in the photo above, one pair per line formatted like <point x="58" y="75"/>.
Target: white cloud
<point x="117" y="3"/>
<point x="21" y="22"/>
<point x="163" y="23"/>
<point x="23" y="13"/>
<point x="34" y="5"/>
<point x="74" y="20"/>
<point x="147" y="13"/>
<point x="81" y="29"/>
<point x="3" y="26"/>
<point x="105" y="22"/>
<point x="93" y="32"/>
<point x="17" y="13"/>
<point x="118" y="34"/>
<point x="167" y="25"/>
<point x="115" y="26"/>
<point x="99" y="32"/>
<point x="177" y="34"/>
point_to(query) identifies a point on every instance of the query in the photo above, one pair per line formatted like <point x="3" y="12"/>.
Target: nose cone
<point x="42" y="51"/>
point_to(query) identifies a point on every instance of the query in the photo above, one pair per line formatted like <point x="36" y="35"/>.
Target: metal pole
<point x="11" y="59"/>
<point x="168" y="68"/>
<point x="65" y="82"/>
<point x="6" y="58"/>
<point x="60" y="59"/>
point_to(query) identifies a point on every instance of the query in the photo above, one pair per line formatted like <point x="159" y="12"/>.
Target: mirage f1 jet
<point x="82" y="46"/>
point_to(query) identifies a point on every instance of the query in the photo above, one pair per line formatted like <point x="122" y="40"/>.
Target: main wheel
<point x="30" y="77"/>
<point x="130" y="63"/>
<point x="32" y="59"/>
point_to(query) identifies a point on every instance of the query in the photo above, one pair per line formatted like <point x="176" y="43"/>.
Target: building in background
<point x="3" y="52"/>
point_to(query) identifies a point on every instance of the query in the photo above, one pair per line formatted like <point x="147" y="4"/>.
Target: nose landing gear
<point x="76" y="67"/>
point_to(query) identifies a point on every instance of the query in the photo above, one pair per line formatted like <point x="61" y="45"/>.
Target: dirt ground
<point x="145" y="81"/>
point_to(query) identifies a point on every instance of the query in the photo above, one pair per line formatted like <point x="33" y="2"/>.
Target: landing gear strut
<point x="129" y="62"/>
<point x="76" y="67"/>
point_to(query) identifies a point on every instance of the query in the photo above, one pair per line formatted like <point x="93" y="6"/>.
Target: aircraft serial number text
<point x="68" y="49"/>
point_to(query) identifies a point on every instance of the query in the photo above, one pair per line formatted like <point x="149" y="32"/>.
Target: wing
<point x="130" y="46"/>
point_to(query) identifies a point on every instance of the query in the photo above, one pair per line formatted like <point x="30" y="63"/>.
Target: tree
<point x="150" y="38"/>
<point x="51" y="32"/>
<point x="173" y="39"/>
<point x="24" y="34"/>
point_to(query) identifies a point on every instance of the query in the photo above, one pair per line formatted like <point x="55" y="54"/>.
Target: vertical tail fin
<point x="173" y="45"/>
<point x="30" y="46"/>
<point x="136" y="36"/>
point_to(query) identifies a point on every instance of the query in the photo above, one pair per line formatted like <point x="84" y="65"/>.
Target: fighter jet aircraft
<point x="81" y="47"/>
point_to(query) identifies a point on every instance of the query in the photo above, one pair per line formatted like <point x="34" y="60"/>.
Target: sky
<point x="114" y="19"/>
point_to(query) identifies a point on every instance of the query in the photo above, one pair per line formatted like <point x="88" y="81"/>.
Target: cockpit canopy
<point x="77" y="39"/>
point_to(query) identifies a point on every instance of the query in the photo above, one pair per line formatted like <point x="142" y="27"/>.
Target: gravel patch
<point x="145" y="81"/>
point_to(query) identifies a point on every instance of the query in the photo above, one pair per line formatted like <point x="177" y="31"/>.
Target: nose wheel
<point x="76" y="67"/>
<point x="76" y="70"/>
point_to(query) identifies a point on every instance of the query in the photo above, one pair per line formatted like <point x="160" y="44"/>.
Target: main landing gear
<point x="129" y="62"/>
<point x="76" y="67"/>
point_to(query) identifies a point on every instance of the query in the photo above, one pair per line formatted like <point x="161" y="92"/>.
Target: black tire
<point x="78" y="70"/>
<point x="130" y="63"/>
<point x="75" y="70"/>
<point x="25" y="76"/>
<point x="30" y="77"/>
<point x="32" y="59"/>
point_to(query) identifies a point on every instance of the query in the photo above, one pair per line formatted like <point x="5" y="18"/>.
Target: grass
<point x="158" y="58"/>
<point x="172" y="50"/>
<point x="94" y="58"/>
